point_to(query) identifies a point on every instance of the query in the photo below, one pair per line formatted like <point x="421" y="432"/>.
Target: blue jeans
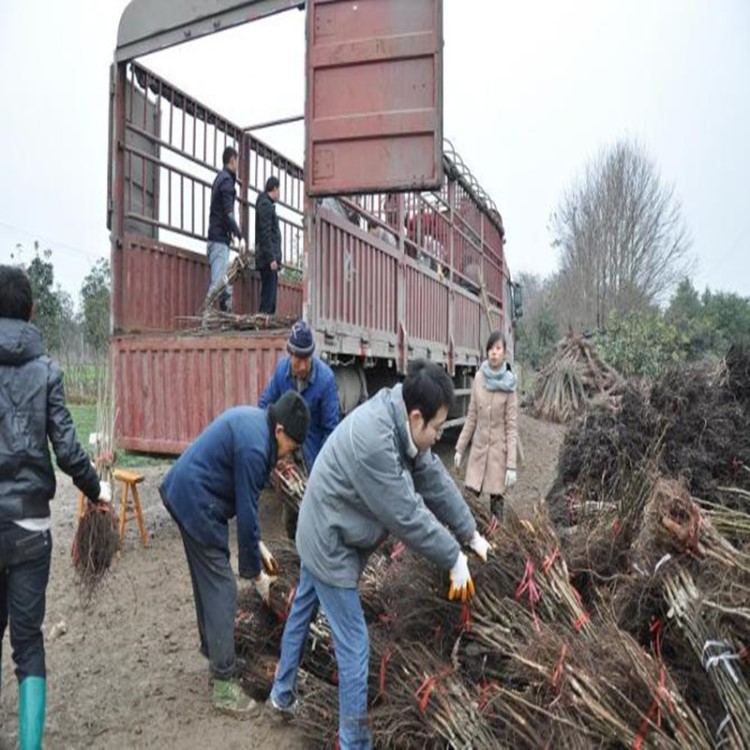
<point x="350" y="639"/>
<point x="24" y="573"/>
<point x="218" y="257"/>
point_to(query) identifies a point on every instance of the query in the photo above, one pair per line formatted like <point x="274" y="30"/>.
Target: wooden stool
<point x="130" y="481"/>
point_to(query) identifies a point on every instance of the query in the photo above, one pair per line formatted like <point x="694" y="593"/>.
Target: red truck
<point x="392" y="250"/>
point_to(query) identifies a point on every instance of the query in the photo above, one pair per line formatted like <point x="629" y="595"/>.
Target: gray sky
<point x="532" y="90"/>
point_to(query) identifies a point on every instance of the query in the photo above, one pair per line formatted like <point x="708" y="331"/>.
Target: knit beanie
<point x="301" y="342"/>
<point x="291" y="412"/>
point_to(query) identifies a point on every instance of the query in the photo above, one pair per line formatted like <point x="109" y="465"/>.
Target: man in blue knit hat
<point x="313" y="379"/>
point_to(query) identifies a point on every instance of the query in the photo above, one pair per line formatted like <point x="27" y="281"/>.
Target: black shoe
<point x="497" y="506"/>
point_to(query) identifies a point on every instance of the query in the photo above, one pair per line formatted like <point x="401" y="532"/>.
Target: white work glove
<point x="457" y="460"/>
<point x="462" y="587"/>
<point x="105" y="492"/>
<point x="268" y="560"/>
<point x="480" y="546"/>
<point x="241" y="247"/>
<point x="510" y="477"/>
<point x="263" y="586"/>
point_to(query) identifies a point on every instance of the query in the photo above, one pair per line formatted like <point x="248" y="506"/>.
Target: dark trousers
<point x="269" y="281"/>
<point x="24" y="573"/>
<point x="215" y="593"/>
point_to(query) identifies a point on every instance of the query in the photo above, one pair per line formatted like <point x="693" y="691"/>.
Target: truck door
<point x="374" y="98"/>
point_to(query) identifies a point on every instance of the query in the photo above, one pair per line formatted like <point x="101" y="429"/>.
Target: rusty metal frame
<point x="147" y="26"/>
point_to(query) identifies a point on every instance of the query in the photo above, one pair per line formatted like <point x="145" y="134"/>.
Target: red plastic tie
<point x="528" y="585"/>
<point x="384" y="666"/>
<point x="464" y="619"/>
<point x="556" y="677"/>
<point x="549" y="561"/>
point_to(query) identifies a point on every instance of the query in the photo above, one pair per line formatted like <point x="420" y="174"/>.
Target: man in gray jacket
<point x="375" y="475"/>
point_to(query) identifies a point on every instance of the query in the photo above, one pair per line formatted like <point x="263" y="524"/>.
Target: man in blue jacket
<point x="376" y="475"/>
<point x="314" y="380"/>
<point x="218" y="477"/>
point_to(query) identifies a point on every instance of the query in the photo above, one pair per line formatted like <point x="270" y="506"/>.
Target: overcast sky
<point x="532" y="90"/>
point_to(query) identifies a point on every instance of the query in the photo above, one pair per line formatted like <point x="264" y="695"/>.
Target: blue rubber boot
<point x="32" y="703"/>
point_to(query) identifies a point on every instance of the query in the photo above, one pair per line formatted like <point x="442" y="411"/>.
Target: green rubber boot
<point x="32" y="703"/>
<point x="230" y="698"/>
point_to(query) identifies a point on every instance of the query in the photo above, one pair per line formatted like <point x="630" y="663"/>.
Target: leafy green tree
<point x="47" y="304"/>
<point x="640" y="344"/>
<point x="95" y="304"/>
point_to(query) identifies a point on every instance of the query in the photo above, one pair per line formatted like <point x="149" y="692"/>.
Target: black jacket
<point x="221" y="221"/>
<point x="267" y="232"/>
<point x="33" y="411"/>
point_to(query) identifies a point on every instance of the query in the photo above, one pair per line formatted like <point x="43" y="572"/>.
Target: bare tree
<point x="622" y="239"/>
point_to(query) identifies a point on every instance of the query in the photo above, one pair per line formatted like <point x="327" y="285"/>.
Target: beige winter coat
<point x="492" y="423"/>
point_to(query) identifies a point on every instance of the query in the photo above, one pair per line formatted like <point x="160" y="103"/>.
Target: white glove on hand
<point x="510" y="477"/>
<point x="241" y="247"/>
<point x="480" y="546"/>
<point x="268" y="560"/>
<point x="457" y="460"/>
<point x="263" y="586"/>
<point x="462" y="587"/>
<point x="105" y="492"/>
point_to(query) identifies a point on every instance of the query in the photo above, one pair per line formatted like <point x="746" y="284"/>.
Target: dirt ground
<point x="126" y="673"/>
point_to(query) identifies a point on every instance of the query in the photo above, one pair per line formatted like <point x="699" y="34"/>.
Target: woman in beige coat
<point x="491" y="427"/>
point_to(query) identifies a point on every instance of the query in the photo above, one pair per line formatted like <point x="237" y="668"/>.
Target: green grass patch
<point x="84" y="419"/>
<point x="82" y="383"/>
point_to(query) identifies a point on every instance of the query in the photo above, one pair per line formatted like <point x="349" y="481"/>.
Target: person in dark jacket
<point x="376" y="475"/>
<point x="222" y="226"/>
<point x="314" y="380"/>
<point x="33" y="416"/>
<point x="220" y="476"/>
<point x="268" y="245"/>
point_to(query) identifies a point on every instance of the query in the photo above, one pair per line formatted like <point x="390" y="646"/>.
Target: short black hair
<point x="271" y="184"/>
<point x="426" y="388"/>
<point x="16" y="300"/>
<point x="496" y="337"/>
<point x="229" y="153"/>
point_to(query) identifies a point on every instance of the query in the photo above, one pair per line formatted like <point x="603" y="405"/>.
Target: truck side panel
<point x="170" y="387"/>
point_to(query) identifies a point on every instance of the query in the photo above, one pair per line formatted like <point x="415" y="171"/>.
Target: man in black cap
<point x="220" y="476"/>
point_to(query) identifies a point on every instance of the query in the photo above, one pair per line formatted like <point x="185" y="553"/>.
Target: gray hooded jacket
<point x="33" y="412"/>
<point x="369" y="481"/>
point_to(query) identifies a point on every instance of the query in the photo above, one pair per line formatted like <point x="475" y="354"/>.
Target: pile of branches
<point x="652" y="505"/>
<point x="575" y="377"/>
<point x="624" y="624"/>
<point x="289" y="479"/>
<point x="217" y="320"/>
<point x="94" y="547"/>
<point x="532" y="661"/>
<point x="696" y="416"/>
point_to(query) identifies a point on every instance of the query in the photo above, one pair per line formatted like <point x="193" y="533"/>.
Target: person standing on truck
<point x="491" y="426"/>
<point x="222" y="226"/>
<point x="33" y="416"/>
<point x="218" y="477"/>
<point x="375" y="475"/>
<point x="314" y="380"/>
<point x="268" y="245"/>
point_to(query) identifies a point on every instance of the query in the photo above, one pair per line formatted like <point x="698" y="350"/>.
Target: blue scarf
<point x="498" y="380"/>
